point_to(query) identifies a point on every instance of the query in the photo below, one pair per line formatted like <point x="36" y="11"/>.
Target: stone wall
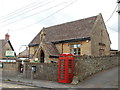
<point x="44" y="71"/>
<point x="85" y="66"/>
<point x="86" y="48"/>
<point x="59" y="47"/>
<point x="88" y="65"/>
<point x="11" y="69"/>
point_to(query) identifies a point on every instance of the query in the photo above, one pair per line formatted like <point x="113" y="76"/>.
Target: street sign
<point x="10" y="53"/>
<point x="36" y="60"/>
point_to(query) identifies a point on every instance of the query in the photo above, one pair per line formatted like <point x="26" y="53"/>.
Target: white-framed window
<point x="75" y="49"/>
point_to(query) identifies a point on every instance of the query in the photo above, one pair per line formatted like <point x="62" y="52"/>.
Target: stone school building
<point x="87" y="36"/>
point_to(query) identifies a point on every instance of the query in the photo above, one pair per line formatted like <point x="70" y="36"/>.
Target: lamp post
<point x="21" y="47"/>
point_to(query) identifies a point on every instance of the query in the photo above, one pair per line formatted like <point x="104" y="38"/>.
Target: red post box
<point x="65" y="68"/>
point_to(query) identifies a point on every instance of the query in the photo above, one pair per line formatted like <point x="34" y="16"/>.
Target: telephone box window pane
<point x="62" y="68"/>
<point x="62" y="60"/>
<point x="70" y="61"/>
<point x="69" y="70"/>
<point x="70" y="56"/>
<point x="62" y="76"/>
<point x="62" y="56"/>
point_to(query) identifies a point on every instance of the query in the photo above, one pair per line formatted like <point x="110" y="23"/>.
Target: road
<point x="13" y="85"/>
<point x="105" y="79"/>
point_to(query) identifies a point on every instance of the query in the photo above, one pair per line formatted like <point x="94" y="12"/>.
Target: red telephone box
<point x="65" y="68"/>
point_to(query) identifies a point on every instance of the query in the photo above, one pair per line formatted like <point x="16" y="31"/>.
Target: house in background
<point x="24" y="54"/>
<point x="87" y="36"/>
<point x="114" y="52"/>
<point x="6" y="48"/>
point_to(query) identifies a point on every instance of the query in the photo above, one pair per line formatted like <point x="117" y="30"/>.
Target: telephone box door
<point x="65" y="68"/>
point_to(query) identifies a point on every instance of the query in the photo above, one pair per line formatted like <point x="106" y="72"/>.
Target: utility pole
<point x="118" y="6"/>
<point x="118" y="24"/>
<point x="118" y="1"/>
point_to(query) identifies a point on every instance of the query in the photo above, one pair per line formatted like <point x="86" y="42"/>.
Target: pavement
<point x="38" y="83"/>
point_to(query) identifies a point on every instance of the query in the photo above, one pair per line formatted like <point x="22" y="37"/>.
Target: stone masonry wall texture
<point x="44" y="71"/>
<point x="85" y="66"/>
<point x="10" y="69"/>
<point x="99" y="35"/>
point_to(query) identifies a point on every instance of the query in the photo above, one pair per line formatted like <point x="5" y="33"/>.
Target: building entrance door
<point x="42" y="56"/>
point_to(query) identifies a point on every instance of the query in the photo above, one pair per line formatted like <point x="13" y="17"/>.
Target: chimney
<point x="7" y="36"/>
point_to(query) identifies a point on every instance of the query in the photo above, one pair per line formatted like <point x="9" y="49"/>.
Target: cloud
<point x="80" y="9"/>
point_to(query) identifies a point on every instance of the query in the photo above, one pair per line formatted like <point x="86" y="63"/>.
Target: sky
<point x="23" y="19"/>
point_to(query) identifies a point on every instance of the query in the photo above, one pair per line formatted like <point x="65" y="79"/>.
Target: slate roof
<point x="3" y="42"/>
<point x="64" y="32"/>
<point x="51" y="48"/>
<point x="70" y="30"/>
<point x="36" y="40"/>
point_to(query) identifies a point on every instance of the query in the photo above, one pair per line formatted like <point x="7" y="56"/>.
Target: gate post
<point x="25" y="68"/>
<point x="18" y="62"/>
